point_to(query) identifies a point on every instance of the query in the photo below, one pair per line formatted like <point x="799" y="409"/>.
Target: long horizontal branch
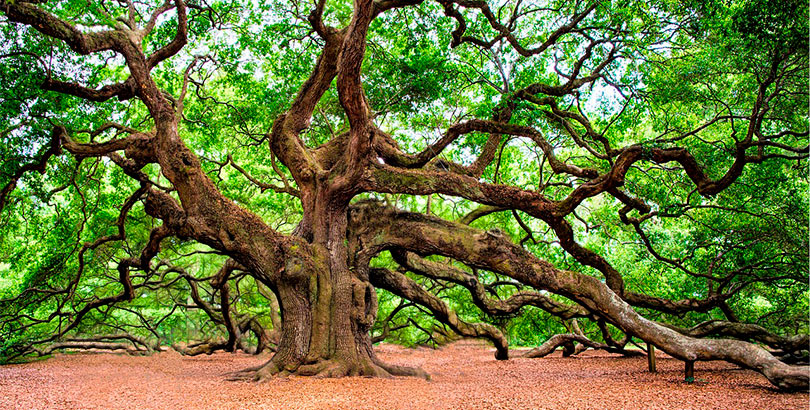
<point x="123" y="91"/>
<point x="423" y="234"/>
<point x="747" y="331"/>
<point x="558" y="340"/>
<point x="51" y="25"/>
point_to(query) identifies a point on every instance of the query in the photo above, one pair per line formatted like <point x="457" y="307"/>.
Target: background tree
<point x="632" y="171"/>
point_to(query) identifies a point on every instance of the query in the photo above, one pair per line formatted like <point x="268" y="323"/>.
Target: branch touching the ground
<point x="747" y="331"/>
<point x="428" y="235"/>
<point x="550" y="345"/>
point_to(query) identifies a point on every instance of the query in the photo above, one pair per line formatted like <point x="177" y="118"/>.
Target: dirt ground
<point x="465" y="375"/>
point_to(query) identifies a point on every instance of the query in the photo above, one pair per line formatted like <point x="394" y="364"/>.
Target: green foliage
<point x="251" y="58"/>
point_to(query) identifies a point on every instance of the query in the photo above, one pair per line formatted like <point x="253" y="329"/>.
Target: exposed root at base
<point x="331" y="368"/>
<point x="395" y="370"/>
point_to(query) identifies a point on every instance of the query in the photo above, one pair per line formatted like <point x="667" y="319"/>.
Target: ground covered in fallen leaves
<point x="465" y="375"/>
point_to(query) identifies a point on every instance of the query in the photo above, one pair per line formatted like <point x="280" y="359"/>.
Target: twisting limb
<point x="747" y="331"/>
<point x="550" y="345"/>
<point x="179" y="40"/>
<point x="429" y="235"/>
<point x="386" y="323"/>
<point x="102" y="342"/>
<point x="53" y="148"/>
<point x="48" y="24"/>
<point x="504" y="31"/>
<point x="405" y="287"/>
<point x="263" y="185"/>
<point x="511" y="305"/>
<point x="319" y="275"/>
<point x="123" y="91"/>
<point x="566" y="340"/>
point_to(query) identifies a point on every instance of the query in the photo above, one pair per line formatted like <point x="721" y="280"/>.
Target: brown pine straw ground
<point x="465" y="375"/>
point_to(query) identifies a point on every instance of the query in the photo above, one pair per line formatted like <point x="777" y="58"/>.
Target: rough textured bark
<point x="388" y="228"/>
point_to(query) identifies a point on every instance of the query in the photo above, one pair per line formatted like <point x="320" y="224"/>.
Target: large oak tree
<point x="412" y="146"/>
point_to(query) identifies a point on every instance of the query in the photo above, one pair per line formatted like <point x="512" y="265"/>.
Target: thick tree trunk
<point x="327" y="311"/>
<point x="326" y="318"/>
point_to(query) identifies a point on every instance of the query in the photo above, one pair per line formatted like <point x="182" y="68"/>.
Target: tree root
<point x="327" y="368"/>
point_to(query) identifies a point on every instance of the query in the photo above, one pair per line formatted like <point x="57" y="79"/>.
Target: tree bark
<point x="388" y="228"/>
